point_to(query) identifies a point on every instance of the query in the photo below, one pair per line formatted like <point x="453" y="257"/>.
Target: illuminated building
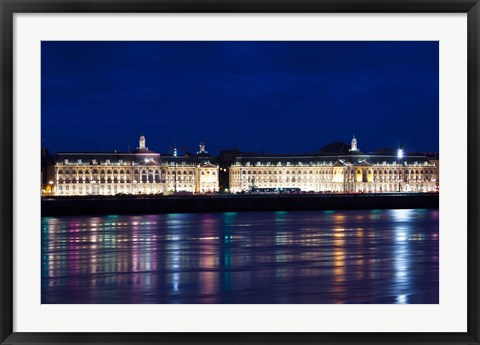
<point x="140" y="172"/>
<point x="349" y="170"/>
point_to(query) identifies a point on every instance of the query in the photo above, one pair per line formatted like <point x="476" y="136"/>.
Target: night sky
<point x="271" y="97"/>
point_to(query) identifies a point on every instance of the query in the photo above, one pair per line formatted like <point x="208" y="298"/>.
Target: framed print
<point x="253" y="172"/>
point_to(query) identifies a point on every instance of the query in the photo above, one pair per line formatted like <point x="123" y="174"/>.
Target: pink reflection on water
<point x="289" y="257"/>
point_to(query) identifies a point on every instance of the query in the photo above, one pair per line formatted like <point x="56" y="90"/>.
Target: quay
<point x="115" y="205"/>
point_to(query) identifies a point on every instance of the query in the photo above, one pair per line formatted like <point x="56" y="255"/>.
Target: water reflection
<point x="377" y="256"/>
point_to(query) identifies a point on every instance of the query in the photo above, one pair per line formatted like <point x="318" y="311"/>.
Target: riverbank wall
<point x="66" y="206"/>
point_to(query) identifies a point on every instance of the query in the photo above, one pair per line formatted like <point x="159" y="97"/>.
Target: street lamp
<point x="400" y="153"/>
<point x="400" y="157"/>
<point x="175" y="168"/>
<point x="51" y="186"/>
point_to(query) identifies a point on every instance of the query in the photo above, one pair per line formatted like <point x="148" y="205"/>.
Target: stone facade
<point x="348" y="172"/>
<point x="140" y="172"/>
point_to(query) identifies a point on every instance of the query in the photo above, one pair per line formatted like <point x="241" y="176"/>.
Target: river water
<point x="366" y="256"/>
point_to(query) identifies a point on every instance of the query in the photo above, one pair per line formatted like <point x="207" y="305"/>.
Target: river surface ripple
<point x="366" y="256"/>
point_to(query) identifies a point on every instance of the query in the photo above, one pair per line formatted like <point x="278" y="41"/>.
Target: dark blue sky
<point x="282" y="97"/>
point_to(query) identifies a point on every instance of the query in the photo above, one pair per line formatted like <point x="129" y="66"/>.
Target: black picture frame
<point x="9" y="7"/>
